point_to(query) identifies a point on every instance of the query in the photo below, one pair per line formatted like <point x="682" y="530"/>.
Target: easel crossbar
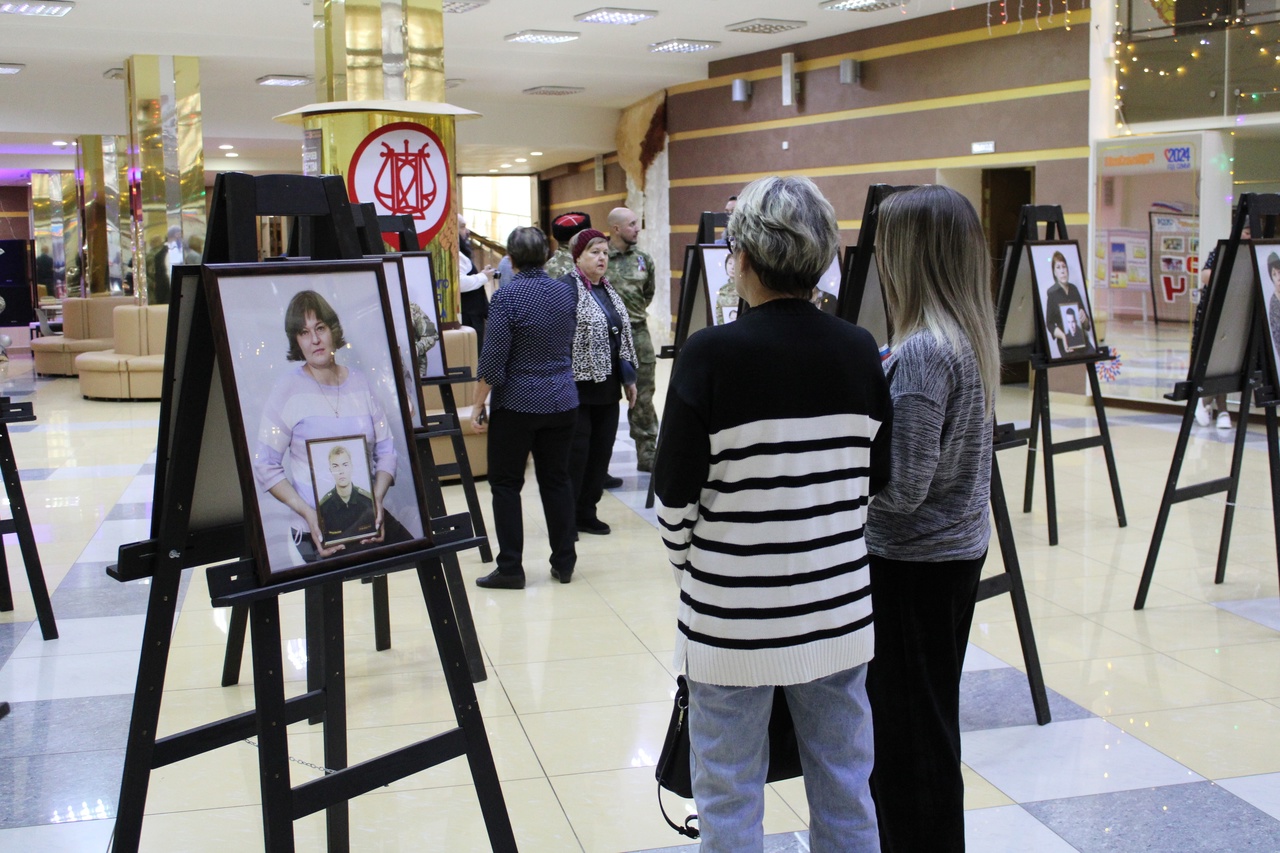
<point x="348" y="783"/>
<point x="1076" y="444"/>
<point x="192" y="742"/>
<point x="1200" y="490"/>
<point x="993" y="586"/>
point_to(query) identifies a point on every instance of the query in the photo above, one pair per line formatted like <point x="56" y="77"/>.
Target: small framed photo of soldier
<point x="1062" y="300"/>
<point x="424" y="313"/>
<point x="721" y="283"/>
<point x="342" y="479"/>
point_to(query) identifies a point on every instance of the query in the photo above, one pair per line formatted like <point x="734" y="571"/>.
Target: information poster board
<point x="1122" y="258"/>
<point x="1175" y="265"/>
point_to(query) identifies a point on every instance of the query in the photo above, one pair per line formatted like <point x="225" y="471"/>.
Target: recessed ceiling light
<point x="460" y="6"/>
<point x="60" y="143"/>
<point x="765" y="26"/>
<point x="542" y="37"/>
<point x="454" y="82"/>
<point x="522" y="159"/>
<point x="232" y="154"/>
<point x="614" y="15"/>
<point x="11" y="67"/>
<point x="554" y="90"/>
<point x="856" y="5"/>
<point x="492" y="170"/>
<point x="225" y="147"/>
<point x="682" y="46"/>
<point x="46" y="9"/>
<point x="504" y="165"/>
<point x="535" y="153"/>
<point x="284" y="80"/>
<point x="113" y="74"/>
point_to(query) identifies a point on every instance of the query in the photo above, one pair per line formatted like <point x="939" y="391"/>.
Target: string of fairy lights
<point x="1003" y="17"/>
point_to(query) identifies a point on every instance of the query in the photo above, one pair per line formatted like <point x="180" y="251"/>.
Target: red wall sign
<point x="402" y="168"/>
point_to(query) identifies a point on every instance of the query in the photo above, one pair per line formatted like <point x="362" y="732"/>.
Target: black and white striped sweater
<point x="775" y="433"/>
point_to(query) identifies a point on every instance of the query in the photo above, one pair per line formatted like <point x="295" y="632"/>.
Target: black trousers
<point x="592" y="448"/>
<point x="922" y="616"/>
<point x="512" y="437"/>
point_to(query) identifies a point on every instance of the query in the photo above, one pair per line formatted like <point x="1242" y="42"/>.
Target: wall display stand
<point x="1230" y="355"/>
<point x="1022" y="338"/>
<point x="20" y="524"/>
<point x="196" y="526"/>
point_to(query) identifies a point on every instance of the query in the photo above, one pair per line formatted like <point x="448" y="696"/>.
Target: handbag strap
<point x="687" y="830"/>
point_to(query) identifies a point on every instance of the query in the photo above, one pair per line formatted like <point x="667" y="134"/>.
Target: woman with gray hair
<point x="775" y="435"/>
<point x="526" y="362"/>
<point x="928" y="530"/>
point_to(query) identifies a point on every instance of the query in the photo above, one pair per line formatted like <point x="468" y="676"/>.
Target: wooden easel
<point x="187" y="533"/>
<point x="1229" y="357"/>
<point x="1037" y="352"/>
<point x="20" y="524"/>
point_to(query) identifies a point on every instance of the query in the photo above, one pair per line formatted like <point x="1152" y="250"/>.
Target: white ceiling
<point x="61" y="93"/>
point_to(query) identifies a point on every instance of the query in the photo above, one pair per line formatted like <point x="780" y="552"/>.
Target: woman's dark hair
<point x="295" y="318"/>
<point x="1058" y="258"/>
<point x="527" y="247"/>
<point x="1273" y="263"/>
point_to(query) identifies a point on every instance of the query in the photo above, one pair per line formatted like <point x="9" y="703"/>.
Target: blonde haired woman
<point x="927" y="531"/>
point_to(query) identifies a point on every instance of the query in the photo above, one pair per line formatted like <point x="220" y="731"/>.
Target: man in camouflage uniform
<point x="563" y="227"/>
<point x="631" y="274"/>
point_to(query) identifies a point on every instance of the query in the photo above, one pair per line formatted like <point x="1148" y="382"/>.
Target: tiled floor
<point x="1164" y="720"/>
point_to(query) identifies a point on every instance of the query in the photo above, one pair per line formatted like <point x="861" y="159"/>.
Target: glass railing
<point x="1223" y="67"/>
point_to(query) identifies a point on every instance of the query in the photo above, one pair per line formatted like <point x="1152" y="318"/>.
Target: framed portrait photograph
<point x="424" y="313"/>
<point x="826" y="295"/>
<point x="342" y="482"/>
<point x="1062" y="300"/>
<point x="307" y="354"/>
<point x="406" y="339"/>
<point x="1266" y="256"/>
<point x="718" y="279"/>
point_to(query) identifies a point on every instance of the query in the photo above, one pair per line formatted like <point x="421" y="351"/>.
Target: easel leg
<point x="236" y="628"/>
<point x="1166" y="504"/>
<point x="273" y="738"/>
<point x="337" y="816"/>
<point x="1018" y="594"/>
<point x="1046" y="453"/>
<point x="1033" y="436"/>
<point x="466" y="708"/>
<point x="461" y="457"/>
<point x="381" y="614"/>
<point x="1101" y="413"/>
<point x="1237" y="461"/>
<point x="314" y="609"/>
<point x="26" y="538"/>
<point x="462" y="610"/>
<point x="140" y="748"/>
<point x="6" y="592"/>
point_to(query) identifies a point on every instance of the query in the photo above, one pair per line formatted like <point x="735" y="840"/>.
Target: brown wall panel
<point x="1065" y="183"/>
<point x="577" y="191"/>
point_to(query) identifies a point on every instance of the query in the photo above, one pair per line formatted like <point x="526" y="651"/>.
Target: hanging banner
<point x="1175" y="265"/>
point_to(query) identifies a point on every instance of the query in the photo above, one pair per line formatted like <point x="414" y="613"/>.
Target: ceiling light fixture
<point x="542" y="37"/>
<point x="225" y="147"/>
<point x="554" y="90"/>
<point x="682" y="46"/>
<point x="535" y="153"/>
<point x="504" y="165"/>
<point x="614" y="15"/>
<point x="284" y="80"/>
<point x="856" y="5"/>
<point x="113" y="74"/>
<point x="46" y="9"/>
<point x="11" y="67"/>
<point x="765" y="26"/>
<point x="232" y="154"/>
<point x="460" y="6"/>
<point x="522" y="159"/>
<point x="60" y="143"/>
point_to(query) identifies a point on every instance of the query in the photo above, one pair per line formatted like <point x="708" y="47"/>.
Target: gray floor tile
<point x="88" y="575"/>
<point x="34" y="474"/>
<point x="131" y="511"/>
<point x="118" y="599"/>
<point x="1195" y="818"/>
<point x="41" y="789"/>
<point x="60" y="726"/>
<point x="10" y="634"/>
<point x="1000" y="698"/>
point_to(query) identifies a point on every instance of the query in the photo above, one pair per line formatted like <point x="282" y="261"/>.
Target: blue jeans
<point x="728" y="731"/>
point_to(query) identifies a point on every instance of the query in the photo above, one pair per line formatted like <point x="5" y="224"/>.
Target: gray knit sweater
<point x="935" y="506"/>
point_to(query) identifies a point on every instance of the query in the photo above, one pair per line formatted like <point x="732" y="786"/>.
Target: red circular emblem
<point x="403" y="168"/>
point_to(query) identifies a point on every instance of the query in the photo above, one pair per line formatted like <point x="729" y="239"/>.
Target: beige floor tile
<point x="1150" y="682"/>
<point x="1216" y="741"/>
<point x="1251" y="668"/>
<point x="979" y="793"/>
<point x="585" y="683"/>
<point x="1198" y="626"/>
<point x="1102" y="593"/>
<point x="562" y="639"/>
<point x="590" y="740"/>
<point x="1058" y="639"/>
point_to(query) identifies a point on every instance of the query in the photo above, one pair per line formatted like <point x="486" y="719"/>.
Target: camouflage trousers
<point x="642" y="417"/>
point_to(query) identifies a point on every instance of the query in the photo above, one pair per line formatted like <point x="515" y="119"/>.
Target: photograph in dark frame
<point x="720" y="283"/>
<point x="424" y="313"/>
<point x="1063" y="305"/>
<point x="342" y="485"/>
<point x="406" y="339"/>
<point x="306" y="352"/>
<point x="1266" y="255"/>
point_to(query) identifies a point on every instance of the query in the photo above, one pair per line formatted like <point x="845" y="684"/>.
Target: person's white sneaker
<point x="1224" y="420"/>
<point x="1202" y="414"/>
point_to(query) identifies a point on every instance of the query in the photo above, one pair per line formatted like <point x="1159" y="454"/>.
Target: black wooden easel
<point x="860" y="303"/>
<point x="182" y="541"/>
<point x="1037" y="352"/>
<point x="1229" y="356"/>
<point x="1010" y="580"/>
<point x="20" y="524"/>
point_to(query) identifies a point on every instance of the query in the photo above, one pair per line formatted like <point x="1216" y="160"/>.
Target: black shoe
<point x="497" y="580"/>
<point x="645" y="465"/>
<point x="563" y="577"/>
<point x="612" y="482"/>
<point x="594" y="525"/>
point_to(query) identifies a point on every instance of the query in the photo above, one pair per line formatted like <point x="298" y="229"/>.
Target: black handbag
<point x="672" y="771"/>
